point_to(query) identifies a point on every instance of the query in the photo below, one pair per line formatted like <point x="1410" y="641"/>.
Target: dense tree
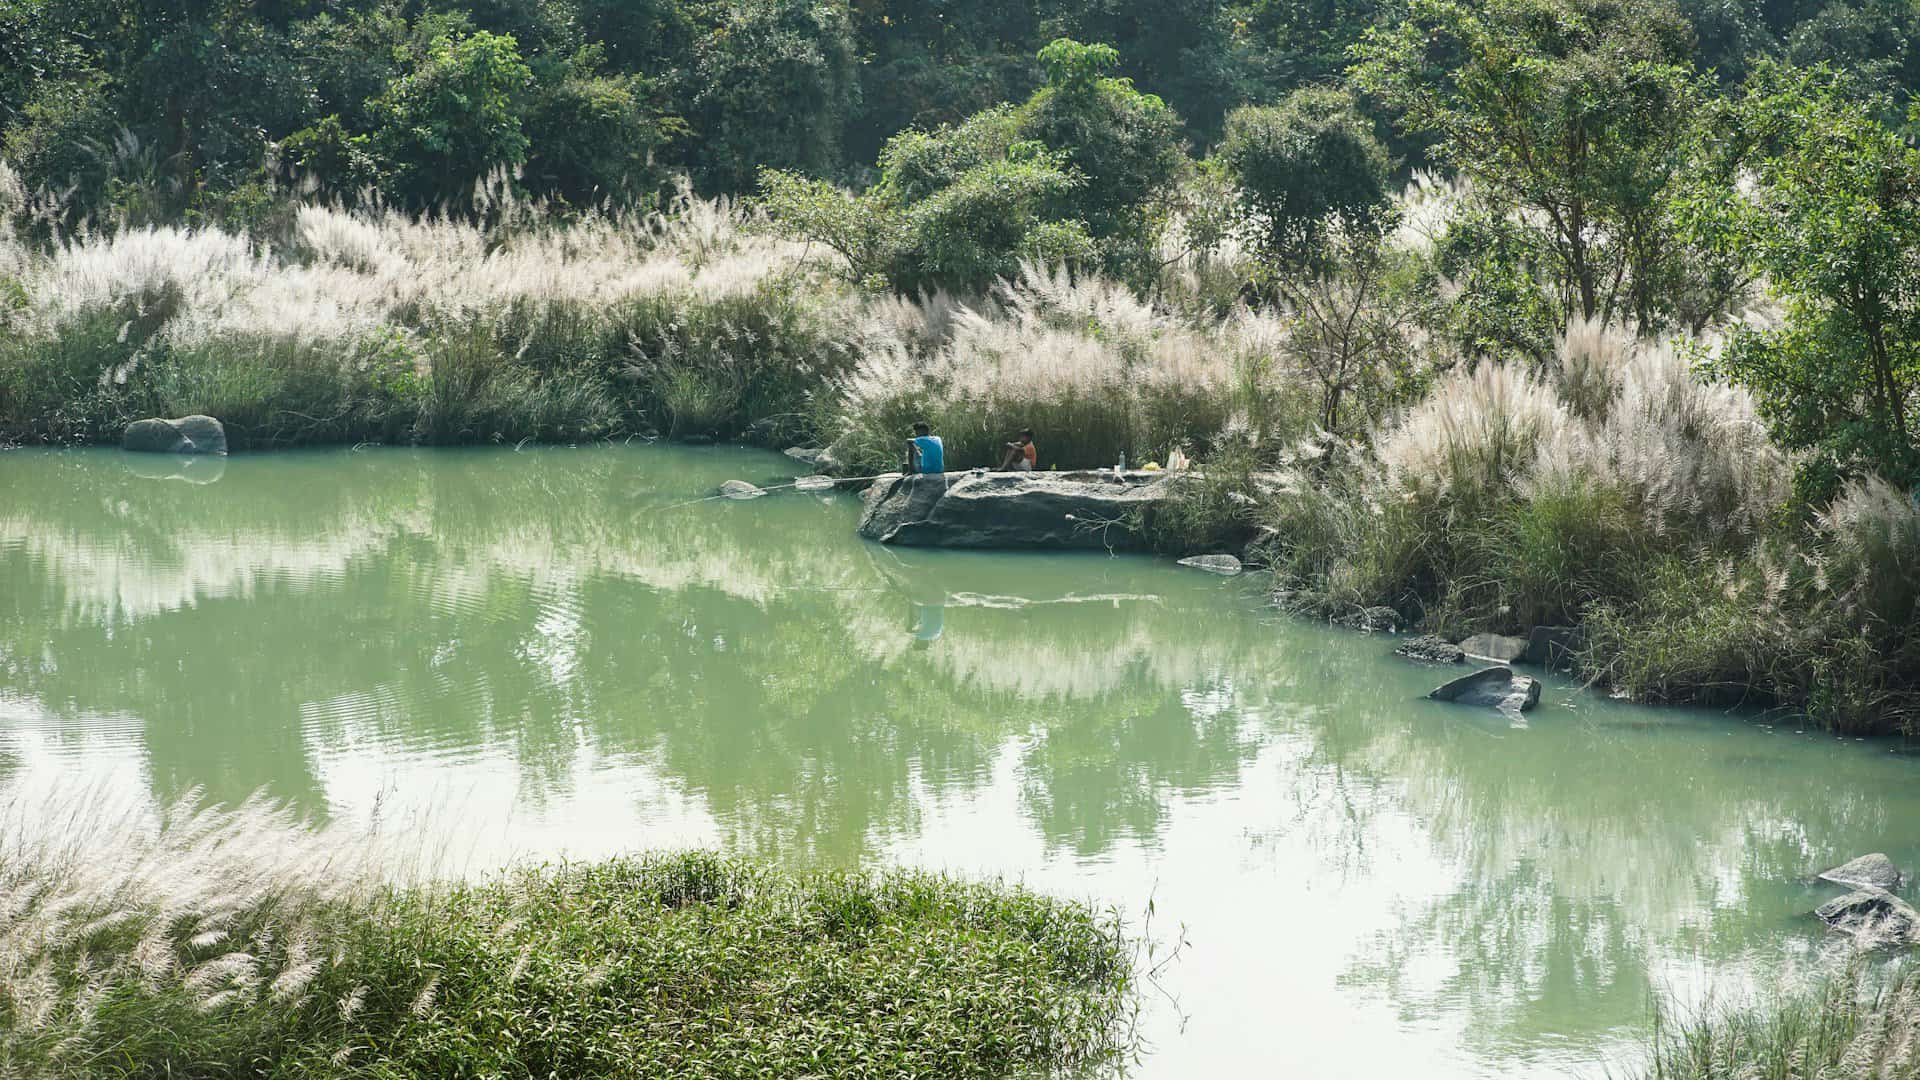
<point x="1564" y="111"/>
<point x="1306" y="166"/>
<point x="771" y="84"/>
<point x="455" y="117"/>
<point x="1832" y="219"/>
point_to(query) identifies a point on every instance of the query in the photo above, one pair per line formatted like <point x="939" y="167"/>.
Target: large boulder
<point x="187" y="435"/>
<point x="1554" y="646"/>
<point x="1497" y="687"/>
<point x="1873" y="916"/>
<point x="1498" y="648"/>
<point x="1052" y="511"/>
<point x="1874" y="871"/>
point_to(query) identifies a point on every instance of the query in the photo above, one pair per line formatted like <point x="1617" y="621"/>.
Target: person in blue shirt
<point x="926" y="454"/>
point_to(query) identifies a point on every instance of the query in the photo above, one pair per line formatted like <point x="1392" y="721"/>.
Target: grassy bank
<point x="1860" y="1024"/>
<point x="339" y="326"/>
<point x="1620" y="491"/>
<point x="239" y="943"/>
<point x="1612" y="484"/>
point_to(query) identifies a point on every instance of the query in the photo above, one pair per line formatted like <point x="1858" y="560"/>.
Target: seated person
<point x="1022" y="455"/>
<point x="926" y="454"/>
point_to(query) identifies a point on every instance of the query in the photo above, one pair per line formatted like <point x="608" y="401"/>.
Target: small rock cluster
<point x="1870" y="912"/>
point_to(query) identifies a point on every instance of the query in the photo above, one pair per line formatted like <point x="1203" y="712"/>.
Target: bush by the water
<point x="226" y="943"/>
<point x="1622" y="491"/>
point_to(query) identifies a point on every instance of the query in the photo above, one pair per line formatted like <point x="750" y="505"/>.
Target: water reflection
<point x="558" y="638"/>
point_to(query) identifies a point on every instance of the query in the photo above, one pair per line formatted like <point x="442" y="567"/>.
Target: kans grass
<point x="1858" y="1024"/>
<point x="226" y="943"/>
<point x="1613" y="486"/>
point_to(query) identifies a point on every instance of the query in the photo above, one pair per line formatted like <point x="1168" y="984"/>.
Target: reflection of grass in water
<point x="231" y="942"/>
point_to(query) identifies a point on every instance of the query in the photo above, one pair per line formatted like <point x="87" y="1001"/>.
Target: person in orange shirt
<point x="1021" y="456"/>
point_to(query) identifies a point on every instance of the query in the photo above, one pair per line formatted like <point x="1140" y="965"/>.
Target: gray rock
<point x="1874" y="871"/>
<point x="1497" y="687"/>
<point x="1554" y="646"/>
<point x="1498" y="648"/>
<point x="1430" y="649"/>
<point x="1048" y="511"/>
<point x="1872" y="916"/>
<point x="804" y="455"/>
<point x="1213" y="564"/>
<point x="740" y="489"/>
<point x="1370" y="620"/>
<point x="187" y="435"/>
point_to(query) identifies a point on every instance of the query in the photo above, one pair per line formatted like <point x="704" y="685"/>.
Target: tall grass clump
<point x="376" y="324"/>
<point x="1859" y="1024"/>
<point x="225" y="943"/>
<point x="1094" y="369"/>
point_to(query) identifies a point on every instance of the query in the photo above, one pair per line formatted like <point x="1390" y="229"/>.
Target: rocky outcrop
<point x="187" y="435"/>
<point x="1226" y="565"/>
<point x="1554" y="646"/>
<point x="1498" y="648"/>
<point x="1497" y="687"/>
<point x="1874" y="871"/>
<point x="1430" y="649"/>
<point x="1047" y="511"/>
<point x="1873" y="916"/>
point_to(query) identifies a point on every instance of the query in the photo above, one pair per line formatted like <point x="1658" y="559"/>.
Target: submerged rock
<point x="1872" y="916"/>
<point x="1430" y="649"/>
<point x="1049" y="511"/>
<point x="1497" y="687"/>
<point x="187" y="435"/>
<point x="1554" y="646"/>
<point x="1874" y="871"/>
<point x="740" y="489"/>
<point x="1214" y="564"/>
<point x="1499" y="648"/>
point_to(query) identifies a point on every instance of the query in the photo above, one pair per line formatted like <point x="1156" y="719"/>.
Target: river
<point x="558" y="651"/>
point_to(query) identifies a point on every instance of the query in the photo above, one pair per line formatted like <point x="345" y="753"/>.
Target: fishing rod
<point x="805" y="483"/>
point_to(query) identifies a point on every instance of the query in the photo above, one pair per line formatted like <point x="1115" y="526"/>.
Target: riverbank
<point x="1614" y="487"/>
<point x="232" y="942"/>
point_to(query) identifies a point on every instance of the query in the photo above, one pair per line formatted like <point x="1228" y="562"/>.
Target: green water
<point x="551" y="651"/>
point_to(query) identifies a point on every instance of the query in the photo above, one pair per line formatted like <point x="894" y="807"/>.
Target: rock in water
<point x="1553" y="646"/>
<point x="1874" y="871"/>
<point x="1370" y="620"/>
<point x="1045" y="511"/>
<point x="1498" y="648"/>
<point x="1430" y="649"/>
<point x="1213" y="564"/>
<point x="187" y="435"/>
<point x="1498" y="687"/>
<point x="1872" y="916"/>
<point x="740" y="489"/>
<point x="804" y="455"/>
<point x="814" y="483"/>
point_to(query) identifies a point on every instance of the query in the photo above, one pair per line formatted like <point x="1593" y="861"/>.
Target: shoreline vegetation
<point x="210" y="942"/>
<point x="1617" y="486"/>
<point x="1857" y="1023"/>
